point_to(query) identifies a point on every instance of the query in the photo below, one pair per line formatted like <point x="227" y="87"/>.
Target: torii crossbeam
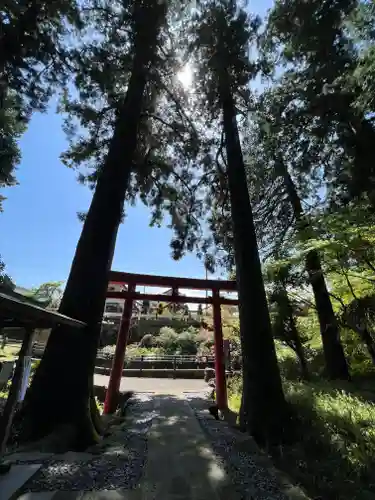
<point x="130" y="295"/>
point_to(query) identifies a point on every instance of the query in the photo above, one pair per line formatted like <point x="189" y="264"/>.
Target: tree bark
<point x="335" y="361"/>
<point x="295" y="338"/>
<point x="264" y="409"/>
<point x="298" y="347"/>
<point x="61" y="391"/>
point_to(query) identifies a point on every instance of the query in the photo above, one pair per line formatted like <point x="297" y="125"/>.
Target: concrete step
<point x="17" y="476"/>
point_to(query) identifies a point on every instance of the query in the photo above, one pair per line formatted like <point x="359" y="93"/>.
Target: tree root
<point x="84" y="430"/>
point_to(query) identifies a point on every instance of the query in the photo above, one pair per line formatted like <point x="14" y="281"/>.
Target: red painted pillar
<point x="221" y="386"/>
<point x="110" y="402"/>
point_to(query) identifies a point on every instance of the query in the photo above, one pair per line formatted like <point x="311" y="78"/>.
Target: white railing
<point x="153" y="316"/>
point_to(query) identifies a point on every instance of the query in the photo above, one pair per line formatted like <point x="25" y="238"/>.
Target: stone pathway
<point x="168" y="448"/>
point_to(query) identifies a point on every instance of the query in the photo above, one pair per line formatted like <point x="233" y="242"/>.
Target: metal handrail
<point x="166" y="357"/>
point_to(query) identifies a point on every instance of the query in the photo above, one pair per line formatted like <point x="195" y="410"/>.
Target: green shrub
<point x="187" y="343"/>
<point x="308" y="328"/>
<point x="167" y="331"/>
<point x="134" y="351"/>
<point x="108" y="351"/>
<point x="334" y="455"/>
<point x="192" y="330"/>
<point x="356" y="352"/>
<point x="131" y="350"/>
<point x="234" y="393"/>
<point x="147" y="340"/>
<point x="99" y="405"/>
<point x="34" y="366"/>
<point x="205" y="335"/>
<point x="168" y="340"/>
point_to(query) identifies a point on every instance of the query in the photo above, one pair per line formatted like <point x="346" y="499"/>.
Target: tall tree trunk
<point x="295" y="338"/>
<point x="61" y="392"/>
<point x="298" y="347"/>
<point x="336" y="365"/>
<point x="264" y="409"/>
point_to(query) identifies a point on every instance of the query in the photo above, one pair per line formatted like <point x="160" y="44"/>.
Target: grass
<point x="5" y="392"/>
<point x="9" y="352"/>
<point x="334" y="457"/>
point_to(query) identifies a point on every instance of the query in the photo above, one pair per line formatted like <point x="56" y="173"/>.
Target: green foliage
<point x="307" y="139"/>
<point x="168" y="340"/>
<point x="11" y="128"/>
<point x="217" y="41"/>
<point x="334" y="453"/>
<point x="34" y="366"/>
<point x="173" y="343"/>
<point x="167" y="141"/>
<point x="308" y="326"/>
<point x="50" y="293"/>
<point x="34" y="60"/>
<point x="187" y="343"/>
<point x="319" y="44"/>
<point x="361" y="364"/>
<point x="5" y="280"/>
<point x="134" y="350"/>
<point x="147" y="340"/>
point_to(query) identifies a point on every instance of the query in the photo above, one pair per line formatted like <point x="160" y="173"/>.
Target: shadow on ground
<point x="166" y="446"/>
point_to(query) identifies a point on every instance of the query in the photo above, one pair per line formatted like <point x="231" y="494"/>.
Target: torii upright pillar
<point x="221" y="386"/>
<point x="111" y="398"/>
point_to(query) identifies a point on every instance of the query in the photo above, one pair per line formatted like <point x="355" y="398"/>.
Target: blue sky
<point x="39" y="226"/>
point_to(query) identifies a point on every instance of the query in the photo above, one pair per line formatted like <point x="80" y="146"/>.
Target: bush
<point x="147" y="340"/>
<point x="108" y="351"/>
<point x="192" y="330"/>
<point x="134" y="351"/>
<point x="167" y="331"/>
<point x="168" y="340"/>
<point x="357" y="354"/>
<point x="34" y="366"/>
<point x="334" y="455"/>
<point x="187" y="344"/>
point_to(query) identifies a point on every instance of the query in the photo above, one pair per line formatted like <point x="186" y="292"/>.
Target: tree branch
<point x="169" y="125"/>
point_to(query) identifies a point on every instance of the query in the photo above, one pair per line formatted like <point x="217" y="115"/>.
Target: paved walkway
<point x="156" y="385"/>
<point x="181" y="465"/>
<point x="163" y="451"/>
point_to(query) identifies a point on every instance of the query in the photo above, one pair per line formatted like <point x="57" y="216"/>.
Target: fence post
<point x="141" y="363"/>
<point x="174" y="367"/>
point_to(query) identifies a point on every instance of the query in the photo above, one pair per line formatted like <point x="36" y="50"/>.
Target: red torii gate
<point x="130" y="295"/>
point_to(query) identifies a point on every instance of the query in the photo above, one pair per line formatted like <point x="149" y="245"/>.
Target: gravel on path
<point x="246" y="468"/>
<point x="116" y="462"/>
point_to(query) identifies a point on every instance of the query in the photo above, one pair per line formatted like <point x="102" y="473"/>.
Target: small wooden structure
<point x="20" y="312"/>
<point x="130" y="295"/>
